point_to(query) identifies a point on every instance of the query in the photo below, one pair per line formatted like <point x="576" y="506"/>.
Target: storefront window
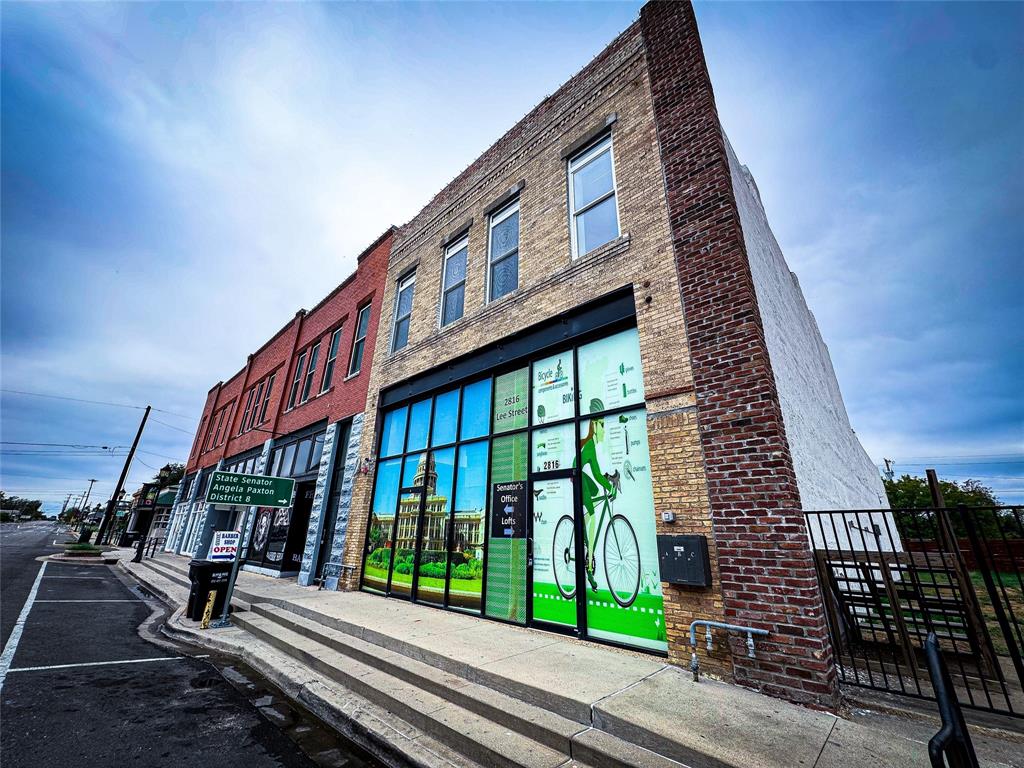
<point x="318" y="451"/>
<point x="611" y="375"/>
<point x="302" y="454"/>
<point x="617" y="502"/>
<point x="553" y="389"/>
<point x="476" y="410"/>
<point x="467" y="542"/>
<point x="446" y="414"/>
<point x="510" y="410"/>
<point x="419" y="426"/>
<point x="382" y="517"/>
<point x="392" y="436"/>
<point x="554" y="448"/>
<point x="432" y="567"/>
<point x="287" y="457"/>
<point x="506" y="543"/>
<point x="555" y="451"/>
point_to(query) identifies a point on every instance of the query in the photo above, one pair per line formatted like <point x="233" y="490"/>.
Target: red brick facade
<point x="766" y="568"/>
<point x="346" y="396"/>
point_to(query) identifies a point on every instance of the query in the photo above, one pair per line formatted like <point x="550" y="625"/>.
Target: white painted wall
<point x="832" y="469"/>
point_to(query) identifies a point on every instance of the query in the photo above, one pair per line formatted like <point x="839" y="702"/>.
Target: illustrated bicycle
<point x="621" y="555"/>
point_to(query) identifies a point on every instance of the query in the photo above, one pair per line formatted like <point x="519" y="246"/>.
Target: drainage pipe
<point x="749" y="631"/>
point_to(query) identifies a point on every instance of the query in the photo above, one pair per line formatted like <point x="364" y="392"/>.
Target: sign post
<point x="252" y="491"/>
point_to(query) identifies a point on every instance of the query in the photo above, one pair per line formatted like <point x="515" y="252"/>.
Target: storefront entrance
<point x="279" y="535"/>
<point x="526" y="497"/>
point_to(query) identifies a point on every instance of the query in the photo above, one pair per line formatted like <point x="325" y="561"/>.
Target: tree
<point x="910" y="492"/>
<point x="30" y="509"/>
<point x="169" y="474"/>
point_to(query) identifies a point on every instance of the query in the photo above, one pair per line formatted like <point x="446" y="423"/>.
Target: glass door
<point x="403" y="560"/>
<point x="554" y="557"/>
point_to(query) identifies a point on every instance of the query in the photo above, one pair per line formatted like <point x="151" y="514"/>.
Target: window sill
<point x="351" y="376"/>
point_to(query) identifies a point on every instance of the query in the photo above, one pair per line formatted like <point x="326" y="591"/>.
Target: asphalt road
<point x="84" y="687"/>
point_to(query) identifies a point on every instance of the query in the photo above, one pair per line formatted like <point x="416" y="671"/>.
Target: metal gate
<point x="892" y="576"/>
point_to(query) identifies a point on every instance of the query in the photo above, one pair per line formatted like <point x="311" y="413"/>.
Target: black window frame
<point x="332" y="357"/>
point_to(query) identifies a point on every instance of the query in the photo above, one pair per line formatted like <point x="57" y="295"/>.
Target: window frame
<point x="359" y="341"/>
<point x="577" y="162"/>
<point x="307" y="383"/>
<point x="248" y="407"/>
<point x="258" y="388"/>
<point x="406" y="281"/>
<point x="332" y="357"/>
<point x="512" y="206"/>
<point x="450" y="251"/>
<point x="266" y="398"/>
<point x="293" y="392"/>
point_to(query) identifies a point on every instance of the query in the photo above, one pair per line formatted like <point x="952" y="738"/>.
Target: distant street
<point x="83" y="688"/>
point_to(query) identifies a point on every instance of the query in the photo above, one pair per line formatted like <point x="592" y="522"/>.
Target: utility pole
<point x="889" y="473"/>
<point x="87" y="492"/>
<point x="64" y="508"/>
<point x="112" y="504"/>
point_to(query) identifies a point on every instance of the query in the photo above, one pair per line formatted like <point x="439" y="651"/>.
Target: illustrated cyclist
<point x="591" y="484"/>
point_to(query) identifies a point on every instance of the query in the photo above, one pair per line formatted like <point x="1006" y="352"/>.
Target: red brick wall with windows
<point x="766" y="567"/>
<point x="346" y="395"/>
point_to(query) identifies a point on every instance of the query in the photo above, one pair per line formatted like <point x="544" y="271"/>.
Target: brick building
<point x="294" y="410"/>
<point x="593" y="335"/>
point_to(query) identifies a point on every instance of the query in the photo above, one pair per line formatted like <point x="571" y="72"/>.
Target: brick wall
<point x="551" y="282"/>
<point x="765" y="566"/>
<point x="347" y="395"/>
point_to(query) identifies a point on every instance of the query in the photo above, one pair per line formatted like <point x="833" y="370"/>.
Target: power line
<point x="64" y="445"/>
<point x="171" y="426"/>
<point x="73" y="399"/>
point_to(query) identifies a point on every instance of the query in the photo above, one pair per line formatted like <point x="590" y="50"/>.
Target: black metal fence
<point x="890" y="577"/>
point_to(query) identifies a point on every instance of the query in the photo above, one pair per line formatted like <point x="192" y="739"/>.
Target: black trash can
<point x="207" y="575"/>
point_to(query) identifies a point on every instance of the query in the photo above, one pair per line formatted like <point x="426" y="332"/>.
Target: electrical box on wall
<point x="684" y="560"/>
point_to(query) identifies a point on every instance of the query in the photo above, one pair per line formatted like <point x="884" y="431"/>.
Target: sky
<point x="179" y="178"/>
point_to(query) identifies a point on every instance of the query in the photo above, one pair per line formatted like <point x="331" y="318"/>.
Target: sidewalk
<point x="591" y="694"/>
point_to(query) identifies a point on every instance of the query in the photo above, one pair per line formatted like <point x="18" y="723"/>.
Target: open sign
<point x="224" y="545"/>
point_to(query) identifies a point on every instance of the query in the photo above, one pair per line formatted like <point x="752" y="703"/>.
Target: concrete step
<point x="473" y="735"/>
<point x="171" y="574"/>
<point x="538" y="724"/>
<point x="542" y="695"/>
<point x="170" y="592"/>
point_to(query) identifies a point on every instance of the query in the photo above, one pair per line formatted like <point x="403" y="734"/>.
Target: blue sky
<point x="161" y="161"/>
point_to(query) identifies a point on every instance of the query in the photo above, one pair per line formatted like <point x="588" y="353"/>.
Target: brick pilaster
<point x="764" y="561"/>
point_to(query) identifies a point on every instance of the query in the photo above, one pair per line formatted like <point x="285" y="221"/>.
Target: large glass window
<point x="432" y="563"/>
<point x="419" y="426"/>
<point x="266" y="398"/>
<point x="593" y="215"/>
<point x="359" y="340"/>
<point x="382" y="518"/>
<point x="556" y="450"/>
<point x="453" y="286"/>
<point x="392" y="434"/>
<point x="446" y="414"/>
<point x="403" y="311"/>
<point x="476" y="410"/>
<point x="611" y="375"/>
<point x="302" y="454"/>
<point x="503" y="251"/>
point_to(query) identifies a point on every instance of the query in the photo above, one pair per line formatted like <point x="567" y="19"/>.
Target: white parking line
<point x="19" y="626"/>
<point x="126" y="600"/>
<point x="97" y="663"/>
<point x="94" y="578"/>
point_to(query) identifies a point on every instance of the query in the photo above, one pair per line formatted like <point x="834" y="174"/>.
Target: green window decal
<point x="506" y="551"/>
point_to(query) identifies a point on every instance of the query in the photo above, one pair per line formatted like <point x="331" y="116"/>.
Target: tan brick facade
<point x="552" y="282"/>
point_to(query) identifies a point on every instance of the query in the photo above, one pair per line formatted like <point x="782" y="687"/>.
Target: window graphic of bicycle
<point x="621" y="555"/>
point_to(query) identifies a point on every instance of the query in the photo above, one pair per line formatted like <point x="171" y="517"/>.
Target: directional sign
<point x="250" y="490"/>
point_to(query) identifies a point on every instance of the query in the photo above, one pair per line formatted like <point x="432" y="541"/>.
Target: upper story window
<point x="503" y="252"/>
<point x="307" y="386"/>
<point x="453" y="287"/>
<point x="359" y="340"/>
<point x="403" y="311"/>
<point x="332" y="355"/>
<point x="593" y="214"/>
<point x="255" y="406"/>
<point x="300" y="366"/>
<point x="249" y="404"/>
<point x="266" y="398"/>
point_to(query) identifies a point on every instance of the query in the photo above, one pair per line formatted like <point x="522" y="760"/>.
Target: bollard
<point x="208" y="610"/>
